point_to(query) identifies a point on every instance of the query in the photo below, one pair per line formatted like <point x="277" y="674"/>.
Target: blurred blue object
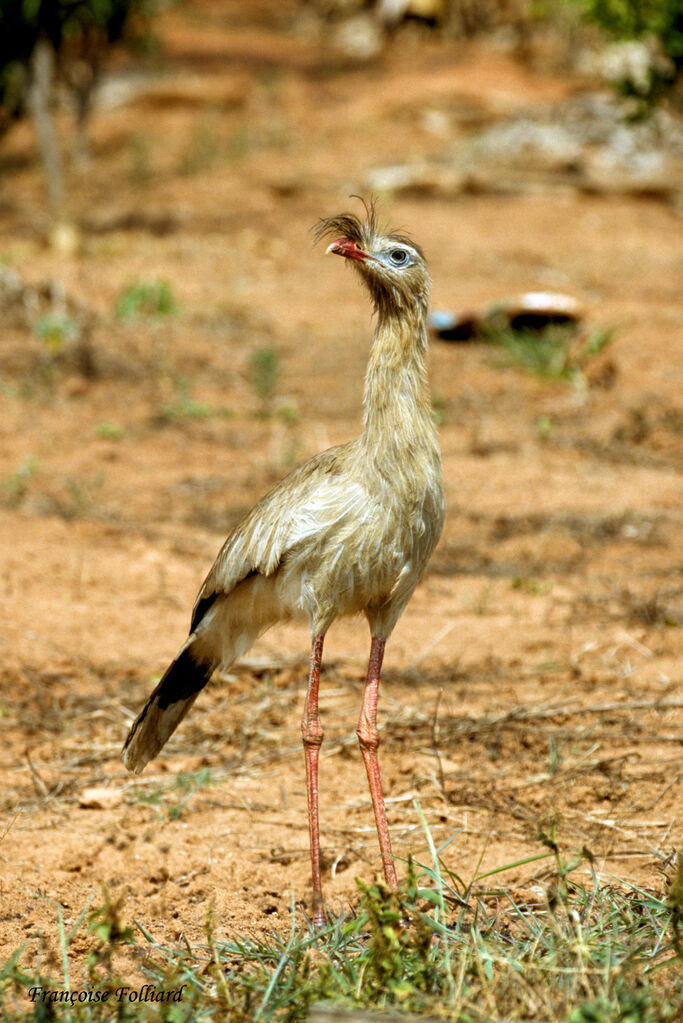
<point x="450" y="326"/>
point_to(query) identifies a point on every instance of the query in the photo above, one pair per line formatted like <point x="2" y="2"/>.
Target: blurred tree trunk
<point x="42" y="65"/>
<point x="80" y="68"/>
<point x="83" y="93"/>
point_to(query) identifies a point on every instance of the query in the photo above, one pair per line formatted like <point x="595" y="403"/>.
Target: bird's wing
<point x="303" y="508"/>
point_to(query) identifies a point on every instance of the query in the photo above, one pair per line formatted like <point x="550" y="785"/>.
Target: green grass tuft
<point x="15" y="485"/>
<point x="185" y="784"/>
<point x="109" y="431"/>
<point x="553" y="353"/>
<point x="146" y="300"/>
<point x="263" y="375"/>
<point x="55" y="331"/>
<point x="183" y="406"/>
<point x="571" y="952"/>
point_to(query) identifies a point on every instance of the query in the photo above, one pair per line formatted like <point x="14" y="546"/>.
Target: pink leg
<point x="368" y="736"/>
<point x="312" y="732"/>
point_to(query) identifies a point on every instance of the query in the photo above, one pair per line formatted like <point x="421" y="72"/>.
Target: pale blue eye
<point x="399" y="257"/>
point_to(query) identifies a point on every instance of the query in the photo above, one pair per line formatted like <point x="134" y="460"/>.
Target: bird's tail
<point x="182" y="682"/>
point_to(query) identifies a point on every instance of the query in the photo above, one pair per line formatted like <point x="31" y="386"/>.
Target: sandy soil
<point x="536" y="670"/>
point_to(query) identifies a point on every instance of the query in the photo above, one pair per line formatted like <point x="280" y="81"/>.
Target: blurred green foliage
<point x="263" y="374"/>
<point x="79" y="31"/>
<point x="14" y="486"/>
<point x="56" y="330"/>
<point x="635" y="19"/>
<point x="146" y="299"/>
<point x="554" y="353"/>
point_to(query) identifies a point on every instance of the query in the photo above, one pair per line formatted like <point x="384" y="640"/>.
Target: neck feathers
<point x="397" y="402"/>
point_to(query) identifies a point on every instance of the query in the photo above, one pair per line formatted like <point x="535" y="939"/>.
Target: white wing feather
<point x="304" y="512"/>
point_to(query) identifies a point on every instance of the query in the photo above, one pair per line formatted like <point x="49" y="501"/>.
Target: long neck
<point x="398" y="417"/>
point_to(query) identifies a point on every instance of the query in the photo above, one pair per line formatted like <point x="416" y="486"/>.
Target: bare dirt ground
<point x="536" y="671"/>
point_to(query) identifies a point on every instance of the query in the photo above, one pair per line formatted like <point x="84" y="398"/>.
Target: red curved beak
<point x="347" y="247"/>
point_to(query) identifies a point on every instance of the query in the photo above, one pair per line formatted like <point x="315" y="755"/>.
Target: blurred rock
<point x="533" y="310"/>
<point x="65" y="238"/>
<point x="391" y="12"/>
<point x="15" y="298"/>
<point x="527" y="143"/>
<point x="418" y="178"/>
<point x="359" y="38"/>
<point x="100" y="798"/>
<point x="356" y="30"/>
<point x="634" y="65"/>
<point x="586" y="144"/>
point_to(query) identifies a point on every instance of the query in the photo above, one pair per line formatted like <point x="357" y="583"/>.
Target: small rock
<point x="65" y="238"/>
<point x="100" y="798"/>
<point x="359" y="38"/>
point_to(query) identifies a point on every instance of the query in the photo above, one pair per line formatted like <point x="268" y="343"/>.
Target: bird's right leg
<point x="312" y="733"/>
<point x="368" y="737"/>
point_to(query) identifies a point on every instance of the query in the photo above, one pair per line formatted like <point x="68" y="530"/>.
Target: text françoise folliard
<point x="146" y="993"/>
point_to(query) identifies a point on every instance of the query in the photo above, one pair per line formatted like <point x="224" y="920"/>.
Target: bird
<point x="349" y="531"/>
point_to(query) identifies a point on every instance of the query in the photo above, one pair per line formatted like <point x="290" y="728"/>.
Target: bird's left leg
<point x="368" y="737"/>
<point x="312" y="734"/>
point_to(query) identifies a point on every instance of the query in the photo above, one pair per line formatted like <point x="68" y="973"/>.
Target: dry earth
<point x="536" y="670"/>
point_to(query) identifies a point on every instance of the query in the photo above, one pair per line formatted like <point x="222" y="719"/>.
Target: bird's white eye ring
<point x="399" y="257"/>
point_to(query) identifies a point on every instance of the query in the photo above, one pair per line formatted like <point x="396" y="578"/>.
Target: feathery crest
<point x="364" y="233"/>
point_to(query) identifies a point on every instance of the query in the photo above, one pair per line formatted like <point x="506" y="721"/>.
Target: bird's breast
<point x="370" y="558"/>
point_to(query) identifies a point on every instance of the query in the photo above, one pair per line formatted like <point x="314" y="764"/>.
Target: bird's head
<point x="392" y="266"/>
